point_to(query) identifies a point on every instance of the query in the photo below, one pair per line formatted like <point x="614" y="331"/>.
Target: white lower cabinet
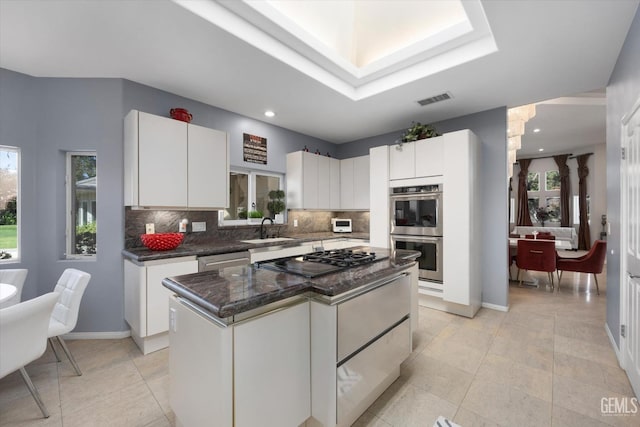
<point x="146" y="301"/>
<point x="255" y="373"/>
<point x="201" y="367"/>
<point x="356" y="350"/>
<point x="272" y="369"/>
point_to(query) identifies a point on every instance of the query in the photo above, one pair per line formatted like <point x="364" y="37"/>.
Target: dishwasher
<point x="216" y="262"/>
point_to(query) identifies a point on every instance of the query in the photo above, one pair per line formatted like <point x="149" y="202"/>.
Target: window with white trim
<point x="249" y="196"/>
<point x="9" y="204"/>
<point x="82" y="202"/>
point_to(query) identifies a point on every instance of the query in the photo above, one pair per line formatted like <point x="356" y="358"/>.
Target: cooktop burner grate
<point x="319" y="263"/>
<point x="341" y="257"/>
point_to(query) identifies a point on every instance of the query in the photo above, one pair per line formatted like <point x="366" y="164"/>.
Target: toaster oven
<point x="341" y="225"/>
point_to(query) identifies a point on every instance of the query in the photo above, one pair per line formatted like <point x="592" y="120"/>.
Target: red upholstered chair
<point x="536" y="255"/>
<point x="591" y="262"/>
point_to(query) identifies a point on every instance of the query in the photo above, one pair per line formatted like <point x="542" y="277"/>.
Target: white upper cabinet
<point x="319" y="182"/>
<point x="172" y="164"/>
<point x="160" y="168"/>
<point x="208" y="172"/>
<point x="361" y="182"/>
<point x="346" y="183"/>
<point x="354" y="183"/>
<point x="429" y="157"/>
<point x="302" y="180"/>
<point x="416" y="159"/>
<point x="328" y="183"/>
<point x="402" y="164"/>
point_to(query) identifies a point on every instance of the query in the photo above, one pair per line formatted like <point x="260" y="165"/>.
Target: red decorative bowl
<point x="180" y="114"/>
<point x="162" y="241"/>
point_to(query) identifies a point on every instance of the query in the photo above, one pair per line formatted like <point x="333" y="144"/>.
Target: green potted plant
<point x="419" y="131"/>
<point x="276" y="205"/>
<point x="255" y="216"/>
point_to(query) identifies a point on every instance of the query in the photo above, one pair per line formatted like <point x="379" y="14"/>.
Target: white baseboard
<point x="613" y="345"/>
<point x="497" y="307"/>
<point x="116" y="335"/>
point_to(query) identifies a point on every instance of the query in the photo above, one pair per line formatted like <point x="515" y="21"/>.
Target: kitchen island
<point x="250" y="346"/>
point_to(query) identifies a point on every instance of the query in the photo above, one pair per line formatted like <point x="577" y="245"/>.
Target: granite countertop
<point x="231" y="291"/>
<point x="217" y="247"/>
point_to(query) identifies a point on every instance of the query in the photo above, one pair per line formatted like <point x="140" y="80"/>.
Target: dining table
<point x="7" y="292"/>
<point x="560" y="244"/>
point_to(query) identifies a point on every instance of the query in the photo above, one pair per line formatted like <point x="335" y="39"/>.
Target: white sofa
<point x="562" y="233"/>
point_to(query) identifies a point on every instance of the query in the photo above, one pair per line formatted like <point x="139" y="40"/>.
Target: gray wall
<point x="280" y="141"/>
<point x="46" y="117"/>
<point x="17" y="117"/>
<point x="622" y="92"/>
<point x="491" y="128"/>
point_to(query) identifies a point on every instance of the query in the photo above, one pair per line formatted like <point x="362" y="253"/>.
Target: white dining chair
<point x="15" y="277"/>
<point x="23" y="338"/>
<point x="70" y="286"/>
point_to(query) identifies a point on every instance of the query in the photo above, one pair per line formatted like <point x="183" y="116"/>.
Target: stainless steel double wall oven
<point x="416" y="224"/>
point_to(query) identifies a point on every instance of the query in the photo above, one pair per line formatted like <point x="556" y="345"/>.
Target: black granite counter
<point x="217" y="247"/>
<point x="234" y="290"/>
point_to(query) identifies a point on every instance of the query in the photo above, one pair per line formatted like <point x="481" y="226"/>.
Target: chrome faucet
<point x="262" y="230"/>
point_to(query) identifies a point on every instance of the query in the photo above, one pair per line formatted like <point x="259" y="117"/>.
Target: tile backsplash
<point x="168" y="221"/>
<point x="320" y="221"/>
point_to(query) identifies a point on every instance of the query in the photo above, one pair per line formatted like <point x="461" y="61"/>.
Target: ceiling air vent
<point x="434" y="99"/>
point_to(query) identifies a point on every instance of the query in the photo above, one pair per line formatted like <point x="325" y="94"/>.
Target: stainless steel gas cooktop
<point x="318" y="263"/>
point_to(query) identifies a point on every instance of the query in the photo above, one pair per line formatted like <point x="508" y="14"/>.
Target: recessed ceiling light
<point x="540" y="149"/>
<point x="536" y="130"/>
<point x="269" y="113"/>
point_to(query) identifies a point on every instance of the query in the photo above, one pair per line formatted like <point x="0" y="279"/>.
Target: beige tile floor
<point x="547" y="362"/>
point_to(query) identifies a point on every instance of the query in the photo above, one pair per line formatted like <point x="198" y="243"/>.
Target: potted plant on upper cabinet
<point x="276" y="205"/>
<point x="419" y="131"/>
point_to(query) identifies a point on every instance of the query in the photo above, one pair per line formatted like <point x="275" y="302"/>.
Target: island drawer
<point x="363" y="318"/>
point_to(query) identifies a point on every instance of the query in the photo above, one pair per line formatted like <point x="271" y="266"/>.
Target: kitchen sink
<point x="270" y="240"/>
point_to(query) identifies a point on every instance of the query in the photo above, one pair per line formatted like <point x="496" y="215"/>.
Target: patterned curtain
<point x="565" y="188"/>
<point x="584" y="235"/>
<point x="524" y="218"/>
